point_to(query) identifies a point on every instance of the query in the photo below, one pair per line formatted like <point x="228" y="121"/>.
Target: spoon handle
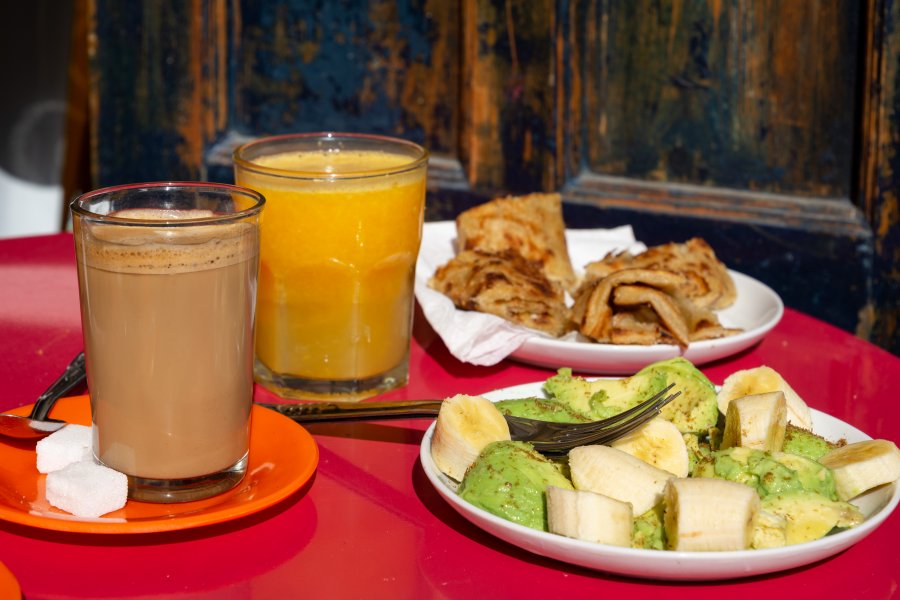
<point x="73" y="375"/>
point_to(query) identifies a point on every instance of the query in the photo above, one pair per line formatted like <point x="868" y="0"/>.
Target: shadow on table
<point x="215" y="530"/>
<point x="275" y="535"/>
<point x="400" y="432"/>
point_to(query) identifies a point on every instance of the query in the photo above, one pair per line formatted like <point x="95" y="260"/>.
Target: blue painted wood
<point x="702" y="118"/>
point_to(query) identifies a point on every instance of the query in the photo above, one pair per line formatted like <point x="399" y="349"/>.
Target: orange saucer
<point x="9" y="586"/>
<point x="283" y="457"/>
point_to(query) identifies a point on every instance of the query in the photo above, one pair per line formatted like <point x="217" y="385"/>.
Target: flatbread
<point x="671" y="316"/>
<point x="643" y="306"/>
<point x="593" y="309"/>
<point x="638" y="326"/>
<point x="713" y="332"/>
<point x="707" y="281"/>
<point x="531" y="226"/>
<point x="506" y="285"/>
<point x="513" y="262"/>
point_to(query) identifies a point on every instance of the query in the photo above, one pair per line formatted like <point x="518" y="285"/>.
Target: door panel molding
<point x="518" y="96"/>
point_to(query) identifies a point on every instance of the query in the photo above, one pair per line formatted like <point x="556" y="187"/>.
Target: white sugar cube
<point x="71" y="444"/>
<point x="87" y="489"/>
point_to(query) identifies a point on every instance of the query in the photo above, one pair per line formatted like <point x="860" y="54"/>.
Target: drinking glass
<point x="339" y="242"/>
<point x="167" y="276"/>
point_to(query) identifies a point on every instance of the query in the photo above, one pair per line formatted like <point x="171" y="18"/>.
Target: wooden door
<point x="766" y="127"/>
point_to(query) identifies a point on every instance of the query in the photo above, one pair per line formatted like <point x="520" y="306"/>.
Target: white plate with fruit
<point x="874" y="506"/>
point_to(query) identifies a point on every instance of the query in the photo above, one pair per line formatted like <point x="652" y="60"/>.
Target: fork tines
<point x="561" y="437"/>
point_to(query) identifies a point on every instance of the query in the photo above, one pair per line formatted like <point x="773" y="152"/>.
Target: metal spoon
<point x="37" y="424"/>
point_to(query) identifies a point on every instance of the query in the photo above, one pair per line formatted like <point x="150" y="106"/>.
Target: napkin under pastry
<point x="483" y="339"/>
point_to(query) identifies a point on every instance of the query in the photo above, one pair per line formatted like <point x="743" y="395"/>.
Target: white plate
<point x="756" y="310"/>
<point x="484" y="339"/>
<point x="876" y="505"/>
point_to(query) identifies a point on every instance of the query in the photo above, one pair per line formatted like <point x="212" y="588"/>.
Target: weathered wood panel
<point x="510" y="98"/>
<point x="753" y="95"/>
<point x="159" y="91"/>
<point x="735" y="120"/>
<point x="879" y="170"/>
<point x="383" y="66"/>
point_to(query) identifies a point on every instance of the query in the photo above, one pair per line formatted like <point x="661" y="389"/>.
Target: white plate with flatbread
<point x="484" y="339"/>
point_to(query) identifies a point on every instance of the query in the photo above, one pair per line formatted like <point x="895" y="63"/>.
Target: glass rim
<point x="258" y="201"/>
<point x="248" y="164"/>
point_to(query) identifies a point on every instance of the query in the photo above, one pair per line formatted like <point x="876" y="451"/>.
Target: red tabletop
<point x="370" y="525"/>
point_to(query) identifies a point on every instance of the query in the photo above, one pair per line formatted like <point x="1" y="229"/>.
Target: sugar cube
<point x="71" y="444"/>
<point x="87" y="489"/>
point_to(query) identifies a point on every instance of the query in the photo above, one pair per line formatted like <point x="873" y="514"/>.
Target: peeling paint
<point x="698" y="97"/>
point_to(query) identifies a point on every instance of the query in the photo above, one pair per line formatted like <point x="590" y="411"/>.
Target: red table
<point x="370" y="524"/>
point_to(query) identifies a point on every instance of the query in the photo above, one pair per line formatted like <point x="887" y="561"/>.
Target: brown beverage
<point x="167" y="316"/>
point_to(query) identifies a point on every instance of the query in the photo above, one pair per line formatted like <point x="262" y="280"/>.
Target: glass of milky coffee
<point x="167" y="276"/>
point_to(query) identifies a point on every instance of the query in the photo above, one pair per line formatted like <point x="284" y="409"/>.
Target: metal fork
<point x="547" y="437"/>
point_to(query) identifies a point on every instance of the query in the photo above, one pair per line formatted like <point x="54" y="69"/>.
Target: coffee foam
<point x="165" y="250"/>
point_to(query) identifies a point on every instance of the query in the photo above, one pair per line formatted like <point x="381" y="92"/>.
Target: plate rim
<point x="713" y="566"/>
<point x="539" y="350"/>
<point x="263" y="419"/>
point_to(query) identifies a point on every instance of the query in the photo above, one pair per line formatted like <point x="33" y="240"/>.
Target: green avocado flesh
<point x="805" y="443"/>
<point x="541" y="409"/>
<point x="509" y="479"/>
<point x="694" y="410"/>
<point x="777" y="473"/>
<point x="809" y="516"/>
<point x="648" y="532"/>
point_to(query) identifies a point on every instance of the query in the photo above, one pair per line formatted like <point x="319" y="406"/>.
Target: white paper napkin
<point x="483" y="339"/>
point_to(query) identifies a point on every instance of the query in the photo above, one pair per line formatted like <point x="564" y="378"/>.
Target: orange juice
<point x="337" y="261"/>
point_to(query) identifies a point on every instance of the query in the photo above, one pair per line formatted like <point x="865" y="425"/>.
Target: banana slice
<point x="757" y="421"/>
<point x="660" y="443"/>
<point x="465" y="425"/>
<point x="587" y="516"/>
<point x="863" y="465"/>
<point x="709" y="514"/>
<point x="619" y="475"/>
<point x="759" y="380"/>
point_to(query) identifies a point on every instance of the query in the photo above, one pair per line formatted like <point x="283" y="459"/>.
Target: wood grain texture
<point x="379" y="67"/>
<point x="755" y="95"/>
<point x="768" y="126"/>
<point x="879" y="168"/>
<point x="509" y="128"/>
<point x="76" y="177"/>
<point x="154" y="69"/>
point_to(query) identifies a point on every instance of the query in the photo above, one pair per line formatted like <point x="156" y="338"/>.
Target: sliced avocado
<point x="810" y="516"/>
<point x="696" y="409"/>
<point x="769" y="530"/>
<point x="542" y="409"/>
<point x="602" y="398"/>
<point x="814" y="477"/>
<point x="698" y="449"/>
<point x="804" y="442"/>
<point x="750" y="467"/>
<point x="509" y="479"/>
<point x="648" y="532"/>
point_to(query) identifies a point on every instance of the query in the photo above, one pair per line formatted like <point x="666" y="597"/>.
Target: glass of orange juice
<point x="338" y="247"/>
